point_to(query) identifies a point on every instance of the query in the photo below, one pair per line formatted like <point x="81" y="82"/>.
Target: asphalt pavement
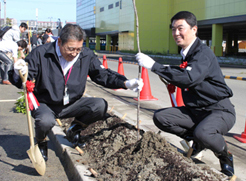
<point x="14" y="142"/>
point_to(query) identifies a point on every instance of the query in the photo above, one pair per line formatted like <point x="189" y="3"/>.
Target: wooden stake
<point x="79" y="150"/>
<point x="59" y="122"/>
<point x="139" y="68"/>
<point x="111" y="109"/>
<point x="123" y="117"/>
<point x="189" y="152"/>
<point x="233" y="178"/>
<point x="94" y="173"/>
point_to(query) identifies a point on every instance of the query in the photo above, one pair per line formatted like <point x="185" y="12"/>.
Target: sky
<point x="48" y="10"/>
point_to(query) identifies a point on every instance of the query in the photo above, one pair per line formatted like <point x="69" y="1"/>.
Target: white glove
<point x="20" y="64"/>
<point x="144" y="60"/>
<point x="134" y="84"/>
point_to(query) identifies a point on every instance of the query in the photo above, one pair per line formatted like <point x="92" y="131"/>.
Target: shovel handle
<point x="29" y="121"/>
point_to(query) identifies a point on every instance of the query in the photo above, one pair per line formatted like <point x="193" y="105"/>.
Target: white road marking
<point x="8" y="100"/>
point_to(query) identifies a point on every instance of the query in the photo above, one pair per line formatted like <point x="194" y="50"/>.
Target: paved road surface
<point x="14" y="142"/>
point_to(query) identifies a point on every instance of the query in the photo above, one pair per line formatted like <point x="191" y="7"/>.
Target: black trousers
<point x="207" y="125"/>
<point x="86" y="109"/>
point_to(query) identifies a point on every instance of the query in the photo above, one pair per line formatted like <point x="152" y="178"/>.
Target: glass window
<point x="117" y="4"/>
<point x="102" y="9"/>
<point x="110" y="6"/>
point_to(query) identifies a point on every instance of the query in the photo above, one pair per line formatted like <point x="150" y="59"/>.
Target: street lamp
<point x="4" y="12"/>
<point x="50" y="21"/>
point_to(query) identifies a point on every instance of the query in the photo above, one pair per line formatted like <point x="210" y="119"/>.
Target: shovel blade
<point x="37" y="159"/>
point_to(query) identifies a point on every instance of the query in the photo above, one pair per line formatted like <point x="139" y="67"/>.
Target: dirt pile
<point x="113" y="151"/>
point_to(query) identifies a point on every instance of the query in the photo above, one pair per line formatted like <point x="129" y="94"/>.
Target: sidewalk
<point x="122" y="104"/>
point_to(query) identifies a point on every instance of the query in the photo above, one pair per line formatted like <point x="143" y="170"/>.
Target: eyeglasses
<point x="71" y="49"/>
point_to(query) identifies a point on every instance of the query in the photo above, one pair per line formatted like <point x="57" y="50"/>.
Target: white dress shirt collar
<point x="184" y="52"/>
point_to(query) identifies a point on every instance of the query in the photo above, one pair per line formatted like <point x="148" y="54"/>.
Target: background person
<point x="208" y="113"/>
<point x="14" y="34"/>
<point x="48" y="31"/>
<point x="9" y="47"/>
<point x="46" y="39"/>
<point x="34" y="40"/>
<point x="39" y="41"/>
<point x="60" y="71"/>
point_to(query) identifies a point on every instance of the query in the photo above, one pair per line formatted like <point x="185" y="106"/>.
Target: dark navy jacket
<point x="202" y="81"/>
<point x="44" y="67"/>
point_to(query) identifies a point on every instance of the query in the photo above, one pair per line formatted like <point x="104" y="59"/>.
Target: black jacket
<point x="202" y="81"/>
<point x="34" y="40"/>
<point x="44" y="67"/>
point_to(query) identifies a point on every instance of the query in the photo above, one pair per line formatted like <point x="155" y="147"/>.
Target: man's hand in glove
<point x="134" y="84"/>
<point x="144" y="60"/>
<point x="20" y="65"/>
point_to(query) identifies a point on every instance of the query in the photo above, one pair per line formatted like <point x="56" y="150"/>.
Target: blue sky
<point x="47" y="10"/>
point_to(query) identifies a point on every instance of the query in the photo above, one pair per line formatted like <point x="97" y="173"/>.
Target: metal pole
<point x="37" y="20"/>
<point x="0" y="15"/>
<point x="4" y="12"/>
<point x="50" y="22"/>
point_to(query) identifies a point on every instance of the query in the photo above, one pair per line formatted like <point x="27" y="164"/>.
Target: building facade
<point x="218" y="21"/>
<point x="85" y="17"/>
<point x="9" y="22"/>
<point x="33" y="25"/>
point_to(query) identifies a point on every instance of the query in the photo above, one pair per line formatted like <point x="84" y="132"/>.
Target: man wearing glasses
<point x="60" y="72"/>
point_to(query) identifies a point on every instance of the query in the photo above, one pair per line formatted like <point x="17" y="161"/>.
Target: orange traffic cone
<point x="105" y="64"/>
<point x="242" y="137"/>
<point x="145" y="94"/>
<point x="179" y="97"/>
<point x="120" y="67"/>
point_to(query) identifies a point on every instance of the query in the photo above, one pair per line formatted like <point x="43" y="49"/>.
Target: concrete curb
<point x="70" y="157"/>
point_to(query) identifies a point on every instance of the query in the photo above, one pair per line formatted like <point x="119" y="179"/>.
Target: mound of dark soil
<point x="113" y="151"/>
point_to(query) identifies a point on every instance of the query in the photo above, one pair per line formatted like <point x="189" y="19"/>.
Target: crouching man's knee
<point x="102" y="107"/>
<point x="42" y="127"/>
<point x="159" y="121"/>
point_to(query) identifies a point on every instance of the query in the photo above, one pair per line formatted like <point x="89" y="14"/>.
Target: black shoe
<point x="226" y="162"/>
<point x="197" y="148"/>
<point x="73" y="133"/>
<point x="43" y="149"/>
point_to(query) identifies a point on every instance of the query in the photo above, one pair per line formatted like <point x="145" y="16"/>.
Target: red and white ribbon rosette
<point x="183" y="65"/>
<point x="32" y="100"/>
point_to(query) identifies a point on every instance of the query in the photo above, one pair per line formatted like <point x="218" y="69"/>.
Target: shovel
<point x="34" y="151"/>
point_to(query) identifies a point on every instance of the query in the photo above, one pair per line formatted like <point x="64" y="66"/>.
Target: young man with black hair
<point x="60" y="71"/>
<point x="208" y="113"/>
<point x="7" y="47"/>
<point x="14" y="33"/>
